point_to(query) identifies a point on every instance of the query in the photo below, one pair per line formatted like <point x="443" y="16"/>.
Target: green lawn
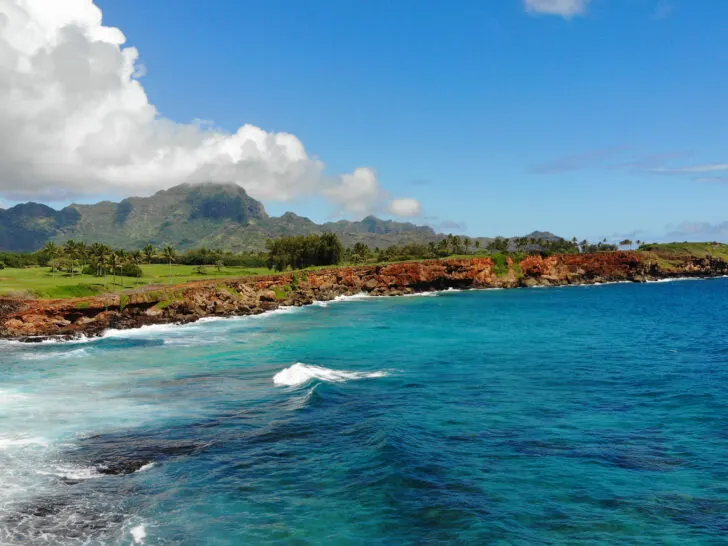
<point x="718" y="250"/>
<point x="39" y="282"/>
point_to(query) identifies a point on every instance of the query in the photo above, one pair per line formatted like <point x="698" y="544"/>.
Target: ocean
<point x="575" y="415"/>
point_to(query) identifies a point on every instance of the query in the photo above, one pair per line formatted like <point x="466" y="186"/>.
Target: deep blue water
<point x="538" y="416"/>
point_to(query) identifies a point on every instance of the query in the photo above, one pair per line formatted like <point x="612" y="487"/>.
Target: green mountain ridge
<point x="188" y="216"/>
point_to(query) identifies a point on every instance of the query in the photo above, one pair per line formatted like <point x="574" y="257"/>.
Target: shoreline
<point x="87" y="319"/>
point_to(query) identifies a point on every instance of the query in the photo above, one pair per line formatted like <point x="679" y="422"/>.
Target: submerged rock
<point x="122" y="467"/>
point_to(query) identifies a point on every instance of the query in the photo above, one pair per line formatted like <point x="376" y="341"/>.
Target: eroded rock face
<point x="35" y="320"/>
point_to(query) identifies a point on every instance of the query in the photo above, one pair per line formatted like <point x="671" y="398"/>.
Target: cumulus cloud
<point x="405" y="207"/>
<point x="75" y="121"/>
<point x="564" y="8"/>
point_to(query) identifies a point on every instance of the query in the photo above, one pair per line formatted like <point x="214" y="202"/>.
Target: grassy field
<point x="718" y="250"/>
<point x="669" y="255"/>
<point x="39" y="282"/>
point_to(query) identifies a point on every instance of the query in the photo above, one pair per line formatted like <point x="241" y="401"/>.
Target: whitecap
<point x="283" y="310"/>
<point x="61" y="354"/>
<point x="10" y="397"/>
<point x="71" y="472"/>
<point x="138" y="534"/>
<point x="300" y="373"/>
<point x="676" y="279"/>
<point x="80" y="338"/>
<point x="143" y="330"/>
<point x="23" y="441"/>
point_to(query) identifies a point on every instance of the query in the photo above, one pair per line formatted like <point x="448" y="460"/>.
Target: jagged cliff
<point x="35" y="320"/>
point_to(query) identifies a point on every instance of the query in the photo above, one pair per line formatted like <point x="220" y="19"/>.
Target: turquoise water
<point x="537" y="416"/>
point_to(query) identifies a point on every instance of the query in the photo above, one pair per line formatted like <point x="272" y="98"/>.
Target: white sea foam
<point x="138" y="534"/>
<point x="47" y="341"/>
<point x="71" y="472"/>
<point x="675" y="279"/>
<point x="145" y="467"/>
<point x="284" y="310"/>
<point x="300" y="373"/>
<point x="10" y="397"/>
<point x="21" y="442"/>
<point x="49" y="355"/>
<point x="343" y="298"/>
<point x="143" y="330"/>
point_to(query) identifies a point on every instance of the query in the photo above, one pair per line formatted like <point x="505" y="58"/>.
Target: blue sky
<point x="603" y="120"/>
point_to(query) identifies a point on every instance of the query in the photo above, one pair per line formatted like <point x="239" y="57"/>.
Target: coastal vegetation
<point x="77" y="269"/>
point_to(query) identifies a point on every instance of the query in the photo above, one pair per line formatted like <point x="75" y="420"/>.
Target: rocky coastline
<point x="40" y="320"/>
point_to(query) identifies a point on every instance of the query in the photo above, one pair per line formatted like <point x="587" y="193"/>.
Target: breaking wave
<point x="300" y="373"/>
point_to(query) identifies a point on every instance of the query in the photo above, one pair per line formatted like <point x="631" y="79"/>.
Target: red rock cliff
<point x="37" y="319"/>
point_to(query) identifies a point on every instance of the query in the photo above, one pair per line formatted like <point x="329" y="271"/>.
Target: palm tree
<point x="96" y="252"/>
<point x="113" y="264"/>
<point x="53" y="251"/>
<point x="135" y="258"/>
<point x="521" y="243"/>
<point x="69" y="249"/>
<point x="101" y="256"/>
<point x="103" y="260"/>
<point x="450" y="243"/>
<point x="123" y="261"/>
<point x="477" y="245"/>
<point x="443" y="247"/>
<point x="457" y="244"/>
<point x="432" y="247"/>
<point x="148" y="253"/>
<point x="466" y="243"/>
<point x="170" y="255"/>
<point x="82" y="254"/>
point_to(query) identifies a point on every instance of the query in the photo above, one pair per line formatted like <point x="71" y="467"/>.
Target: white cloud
<point x="406" y="207"/>
<point x="700" y="231"/>
<point x="358" y="193"/>
<point x="707" y="168"/>
<point x="76" y="121"/>
<point x="565" y="8"/>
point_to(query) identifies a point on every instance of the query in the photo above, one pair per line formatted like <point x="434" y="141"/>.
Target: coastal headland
<point x="38" y="320"/>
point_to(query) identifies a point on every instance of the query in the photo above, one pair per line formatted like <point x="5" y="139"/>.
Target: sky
<point x="587" y="118"/>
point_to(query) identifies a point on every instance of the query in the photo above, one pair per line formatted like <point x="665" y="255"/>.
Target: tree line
<point x="102" y="260"/>
<point x="453" y="245"/>
<point x="300" y="251"/>
<point x="294" y="252"/>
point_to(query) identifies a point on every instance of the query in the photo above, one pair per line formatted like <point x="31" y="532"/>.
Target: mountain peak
<point x="188" y="215"/>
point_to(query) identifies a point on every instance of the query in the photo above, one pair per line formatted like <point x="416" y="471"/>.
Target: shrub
<point x="500" y="262"/>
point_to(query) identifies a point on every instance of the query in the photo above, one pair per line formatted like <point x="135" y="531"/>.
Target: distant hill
<point x="188" y="216"/>
<point x="544" y="235"/>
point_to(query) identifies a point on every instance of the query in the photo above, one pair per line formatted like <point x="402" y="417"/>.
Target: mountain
<point x="544" y="235"/>
<point x="29" y="226"/>
<point x="187" y="216"/>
